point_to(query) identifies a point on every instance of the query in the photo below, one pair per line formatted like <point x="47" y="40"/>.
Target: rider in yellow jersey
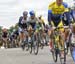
<point x="56" y="11"/>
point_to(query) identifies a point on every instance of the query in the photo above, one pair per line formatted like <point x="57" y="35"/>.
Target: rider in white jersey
<point x="23" y="22"/>
<point x="33" y="20"/>
<point x="23" y="26"/>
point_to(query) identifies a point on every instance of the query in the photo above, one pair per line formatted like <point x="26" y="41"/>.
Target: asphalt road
<point x="18" y="56"/>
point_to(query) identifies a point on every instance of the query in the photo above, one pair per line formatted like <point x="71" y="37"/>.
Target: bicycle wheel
<point x="41" y="39"/>
<point x="62" y="52"/>
<point x="35" y="45"/>
<point x="23" y="45"/>
<point x="42" y="44"/>
<point x="62" y="59"/>
<point x="66" y="48"/>
<point x="54" y="49"/>
<point x="30" y="47"/>
<point x="26" y="45"/>
<point x="55" y="52"/>
<point x="55" y="55"/>
<point x="30" y="44"/>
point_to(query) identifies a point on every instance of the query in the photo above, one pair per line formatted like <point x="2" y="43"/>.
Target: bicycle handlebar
<point x="60" y="27"/>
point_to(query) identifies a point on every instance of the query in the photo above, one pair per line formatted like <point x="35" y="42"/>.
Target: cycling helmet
<point x="32" y="13"/>
<point x="25" y="13"/>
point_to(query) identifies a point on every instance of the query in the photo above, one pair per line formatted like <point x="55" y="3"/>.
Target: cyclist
<point x="13" y="37"/>
<point x="45" y="28"/>
<point x="23" y="24"/>
<point x="42" y="30"/>
<point x="4" y="33"/>
<point x="56" y="10"/>
<point x="33" y="22"/>
<point x="4" y="37"/>
<point x="41" y="20"/>
<point x="32" y="19"/>
<point x="42" y="25"/>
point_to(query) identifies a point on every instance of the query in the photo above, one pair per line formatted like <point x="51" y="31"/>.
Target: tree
<point x="16" y="26"/>
<point x="11" y="29"/>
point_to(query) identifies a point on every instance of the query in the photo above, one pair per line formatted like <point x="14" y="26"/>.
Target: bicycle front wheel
<point x="36" y="45"/>
<point x="55" y="55"/>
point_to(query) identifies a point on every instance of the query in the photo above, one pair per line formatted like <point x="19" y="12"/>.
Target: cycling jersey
<point x="4" y="35"/>
<point x="55" y="9"/>
<point x="32" y="22"/>
<point x="42" y="22"/>
<point x="22" y="22"/>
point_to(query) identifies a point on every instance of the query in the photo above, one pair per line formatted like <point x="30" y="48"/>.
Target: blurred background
<point x="11" y="10"/>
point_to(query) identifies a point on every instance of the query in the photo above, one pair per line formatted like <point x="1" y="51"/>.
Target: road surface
<point x="17" y="56"/>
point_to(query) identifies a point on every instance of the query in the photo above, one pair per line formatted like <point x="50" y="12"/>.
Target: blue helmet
<point x="32" y="13"/>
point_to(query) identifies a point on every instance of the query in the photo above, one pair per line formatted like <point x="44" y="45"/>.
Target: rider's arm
<point x="20" y="19"/>
<point x="49" y="16"/>
<point x="50" y="12"/>
<point x="43" y="22"/>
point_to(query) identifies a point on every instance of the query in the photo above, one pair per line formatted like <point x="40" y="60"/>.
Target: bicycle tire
<point x="62" y="60"/>
<point x="35" y="44"/>
<point x="55" y="55"/>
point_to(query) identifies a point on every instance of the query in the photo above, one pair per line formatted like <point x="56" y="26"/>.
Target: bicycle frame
<point x="57" y="42"/>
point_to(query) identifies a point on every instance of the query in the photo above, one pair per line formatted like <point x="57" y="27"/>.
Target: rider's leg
<point x="51" y="39"/>
<point x="26" y="36"/>
<point x="49" y="31"/>
<point x="62" y="39"/>
<point x="67" y="32"/>
<point x="20" y="37"/>
<point x="29" y="33"/>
